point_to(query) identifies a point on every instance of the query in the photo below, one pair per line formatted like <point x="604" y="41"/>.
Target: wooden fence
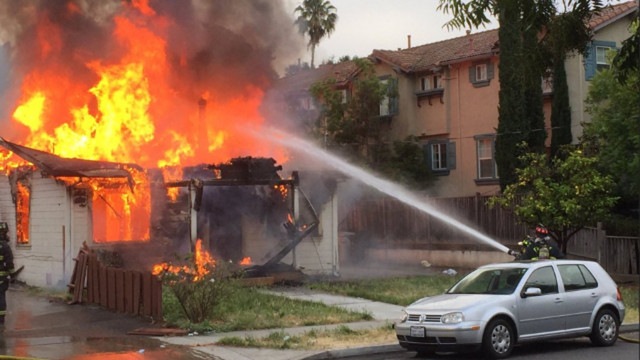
<point x="387" y="222"/>
<point x="123" y="291"/>
<point x="619" y="255"/>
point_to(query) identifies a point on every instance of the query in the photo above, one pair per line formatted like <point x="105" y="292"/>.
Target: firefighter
<point x="541" y="247"/>
<point x="6" y="269"/>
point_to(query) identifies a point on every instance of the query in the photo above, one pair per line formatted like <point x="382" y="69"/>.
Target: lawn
<point x="400" y="291"/>
<point x="245" y="308"/>
<point x="341" y="337"/>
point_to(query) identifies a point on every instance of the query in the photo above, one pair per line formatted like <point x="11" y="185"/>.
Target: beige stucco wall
<point x="578" y="86"/>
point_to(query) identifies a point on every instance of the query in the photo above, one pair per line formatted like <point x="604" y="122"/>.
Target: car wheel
<point x="605" y="328"/>
<point x="498" y="339"/>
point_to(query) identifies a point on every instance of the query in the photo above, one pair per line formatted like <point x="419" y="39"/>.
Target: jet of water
<point x="382" y="185"/>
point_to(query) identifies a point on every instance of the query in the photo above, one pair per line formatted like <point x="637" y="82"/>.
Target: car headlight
<point x="404" y="316"/>
<point x="452" y="318"/>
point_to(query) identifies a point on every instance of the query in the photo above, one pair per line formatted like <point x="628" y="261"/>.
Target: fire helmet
<point x="541" y="230"/>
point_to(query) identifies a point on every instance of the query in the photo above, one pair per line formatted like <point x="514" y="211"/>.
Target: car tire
<point x="498" y="339"/>
<point x="605" y="328"/>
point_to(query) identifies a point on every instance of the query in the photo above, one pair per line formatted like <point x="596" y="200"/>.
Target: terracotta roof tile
<point x="342" y="72"/>
<point x="611" y="13"/>
<point x="423" y="58"/>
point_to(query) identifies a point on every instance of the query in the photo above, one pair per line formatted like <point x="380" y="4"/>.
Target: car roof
<point x="535" y="263"/>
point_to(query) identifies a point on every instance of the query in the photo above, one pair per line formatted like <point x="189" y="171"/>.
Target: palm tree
<point x="316" y="18"/>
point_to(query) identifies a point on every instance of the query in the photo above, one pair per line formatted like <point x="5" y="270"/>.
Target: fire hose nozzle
<point x="513" y="252"/>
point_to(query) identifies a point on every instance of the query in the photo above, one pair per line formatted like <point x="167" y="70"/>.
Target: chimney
<point x="408" y="41"/>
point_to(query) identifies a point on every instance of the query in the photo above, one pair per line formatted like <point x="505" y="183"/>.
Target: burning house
<point x="110" y="111"/>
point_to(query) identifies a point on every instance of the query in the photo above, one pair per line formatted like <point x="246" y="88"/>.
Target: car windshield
<point x="489" y="281"/>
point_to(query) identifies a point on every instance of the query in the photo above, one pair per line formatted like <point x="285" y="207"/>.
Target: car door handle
<point x="594" y="295"/>
<point x="558" y="300"/>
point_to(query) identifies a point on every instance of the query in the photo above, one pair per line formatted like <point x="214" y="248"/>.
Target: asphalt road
<point x="572" y="349"/>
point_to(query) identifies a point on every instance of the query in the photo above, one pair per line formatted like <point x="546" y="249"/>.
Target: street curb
<point x="368" y="350"/>
<point x="627" y="328"/>
<point x="391" y="348"/>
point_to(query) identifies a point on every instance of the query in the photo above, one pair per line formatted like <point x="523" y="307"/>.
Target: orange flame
<point x="246" y="261"/>
<point x="202" y="262"/>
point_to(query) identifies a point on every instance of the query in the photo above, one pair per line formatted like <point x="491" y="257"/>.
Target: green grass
<point x="630" y="299"/>
<point x="340" y="337"/>
<point x="400" y="291"/>
<point x="250" y="309"/>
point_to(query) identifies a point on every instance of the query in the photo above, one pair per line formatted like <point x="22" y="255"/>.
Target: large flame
<point x="136" y="95"/>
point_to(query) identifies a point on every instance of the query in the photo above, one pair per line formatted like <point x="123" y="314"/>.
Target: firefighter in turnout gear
<point x="6" y="269"/>
<point x="539" y="248"/>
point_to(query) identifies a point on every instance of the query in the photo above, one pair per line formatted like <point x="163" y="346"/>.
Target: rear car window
<point x="576" y="277"/>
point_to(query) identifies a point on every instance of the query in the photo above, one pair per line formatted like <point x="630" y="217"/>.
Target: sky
<point x="365" y="25"/>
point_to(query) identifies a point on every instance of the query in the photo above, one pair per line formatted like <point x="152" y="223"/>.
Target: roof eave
<point x="614" y="19"/>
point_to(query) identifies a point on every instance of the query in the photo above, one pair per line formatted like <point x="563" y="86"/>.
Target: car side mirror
<point x="531" y="291"/>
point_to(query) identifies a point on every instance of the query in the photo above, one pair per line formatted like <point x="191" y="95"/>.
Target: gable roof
<point x="342" y="73"/>
<point x="58" y="166"/>
<point x="430" y="56"/>
<point x="611" y="14"/>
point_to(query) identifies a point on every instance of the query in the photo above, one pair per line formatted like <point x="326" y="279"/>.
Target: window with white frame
<point x="431" y="82"/>
<point x="486" y="159"/>
<point x="481" y="72"/>
<point x="439" y="156"/>
<point x="389" y="103"/>
<point x="601" y="58"/>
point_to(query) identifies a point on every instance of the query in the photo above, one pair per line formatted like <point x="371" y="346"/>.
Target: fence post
<point x="601" y="238"/>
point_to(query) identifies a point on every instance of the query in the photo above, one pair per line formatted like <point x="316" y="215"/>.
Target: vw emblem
<point x="423" y="317"/>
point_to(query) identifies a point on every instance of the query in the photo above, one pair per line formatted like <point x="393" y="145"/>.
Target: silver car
<point x="498" y="306"/>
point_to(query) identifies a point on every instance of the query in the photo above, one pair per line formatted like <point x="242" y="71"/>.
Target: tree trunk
<point x="313" y="55"/>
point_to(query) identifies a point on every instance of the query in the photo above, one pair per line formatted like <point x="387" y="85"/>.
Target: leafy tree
<point x="353" y="128"/>
<point x="295" y="68"/>
<point x="565" y="194"/>
<point x="566" y="34"/>
<point x="349" y="126"/>
<point x="405" y="163"/>
<point x="628" y="59"/>
<point x="316" y="19"/>
<point x="521" y="66"/>
<point x="613" y="133"/>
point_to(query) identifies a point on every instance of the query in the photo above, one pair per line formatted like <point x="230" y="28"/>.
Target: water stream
<point x="382" y="185"/>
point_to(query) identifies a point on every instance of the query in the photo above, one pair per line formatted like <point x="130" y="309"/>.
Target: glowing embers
<point x="201" y="265"/>
<point x="23" y="209"/>
<point x="246" y="261"/>
<point x="119" y="212"/>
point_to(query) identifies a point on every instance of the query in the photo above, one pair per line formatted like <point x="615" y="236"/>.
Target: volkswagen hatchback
<point x="499" y="306"/>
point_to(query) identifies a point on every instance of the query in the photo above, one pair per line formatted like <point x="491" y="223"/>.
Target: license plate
<point x="418" y="331"/>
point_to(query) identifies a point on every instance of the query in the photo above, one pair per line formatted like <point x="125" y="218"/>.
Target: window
<point x="389" y="104"/>
<point x="431" y="82"/>
<point x="23" y="210"/>
<point x="441" y="156"/>
<point x="597" y="58"/>
<point x="601" y="58"/>
<point x="486" y="161"/>
<point x="576" y="277"/>
<point x="481" y="73"/>
<point x="544" y="279"/>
